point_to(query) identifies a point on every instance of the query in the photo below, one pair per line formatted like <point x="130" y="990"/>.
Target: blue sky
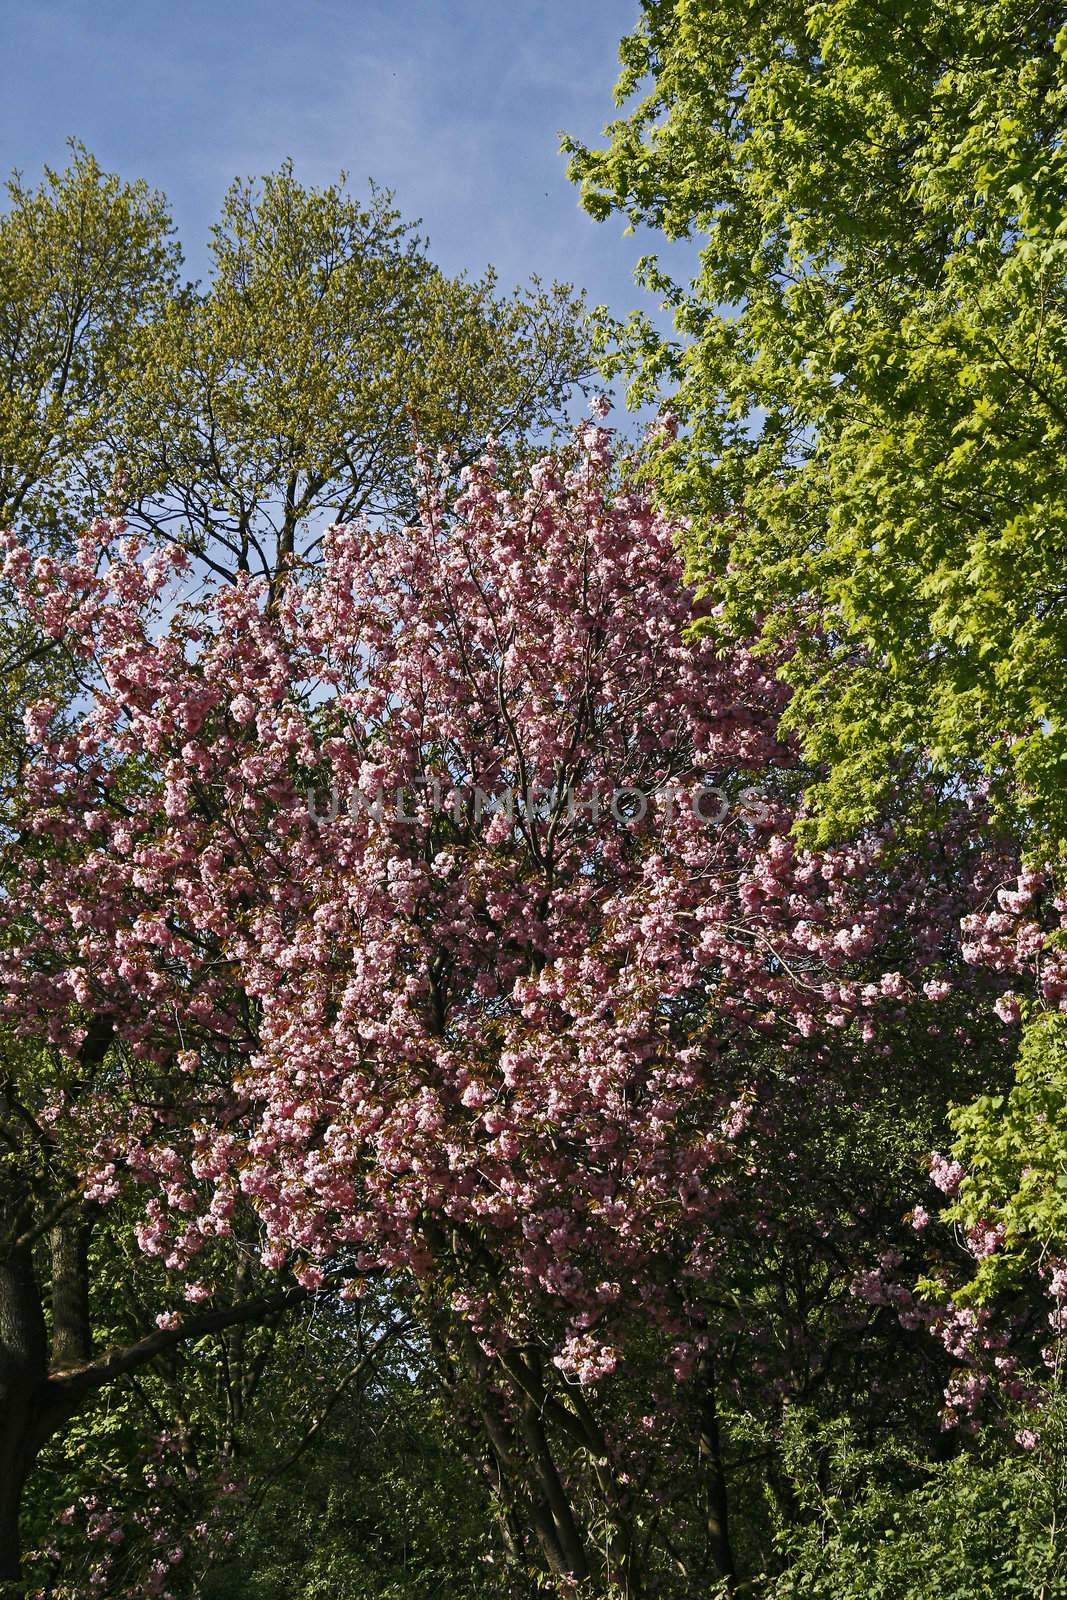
<point x="455" y="104"/>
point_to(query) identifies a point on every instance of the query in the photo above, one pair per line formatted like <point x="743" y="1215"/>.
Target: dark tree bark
<point x="525" y="1460"/>
<point x="71" y="1333"/>
<point x="22" y="1360"/>
<point x="716" y="1499"/>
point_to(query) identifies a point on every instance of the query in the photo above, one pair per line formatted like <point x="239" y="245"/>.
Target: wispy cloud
<point x="454" y="104"/>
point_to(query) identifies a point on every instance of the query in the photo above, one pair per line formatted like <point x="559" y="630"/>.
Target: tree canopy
<point x="287" y="394"/>
<point x="871" y="371"/>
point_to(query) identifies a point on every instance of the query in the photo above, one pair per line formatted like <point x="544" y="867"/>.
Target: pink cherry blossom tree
<point x="438" y="919"/>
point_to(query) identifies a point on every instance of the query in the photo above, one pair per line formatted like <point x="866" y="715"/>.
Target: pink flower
<point x="36" y="718"/>
<point x="242" y="709"/>
<point x="947" y="1175"/>
<point x="986" y="1238"/>
<point x="309" y="1276"/>
<point x="683" y="1360"/>
<point x="1007" y="1008"/>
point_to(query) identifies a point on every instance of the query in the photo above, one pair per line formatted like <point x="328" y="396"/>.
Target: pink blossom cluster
<point x="1012" y="935"/>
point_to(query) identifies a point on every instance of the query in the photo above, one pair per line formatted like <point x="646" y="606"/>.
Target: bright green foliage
<point x="872" y="375"/>
<point x="83" y="259"/>
<point x="288" y="394"/>
<point x="1014" y="1148"/>
<point x="876" y="1524"/>
<point x="243" y="418"/>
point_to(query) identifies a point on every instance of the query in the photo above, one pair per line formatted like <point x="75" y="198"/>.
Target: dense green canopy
<point x="871" y="373"/>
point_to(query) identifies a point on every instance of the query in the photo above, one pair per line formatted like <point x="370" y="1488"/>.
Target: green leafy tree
<point x="871" y="375"/>
<point x="871" y="387"/>
<point x="880" y="1524"/>
<point x="84" y="259"/>
<point x="288" y="394"/>
<point x="1013" y="1148"/>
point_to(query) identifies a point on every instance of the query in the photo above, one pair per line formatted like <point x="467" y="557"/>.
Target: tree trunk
<point x="16" y="1460"/>
<point x="716" y="1502"/>
<point x="555" y="1496"/>
<point x="71" y="1334"/>
<point x="23" y="1366"/>
<point x="533" y="1482"/>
